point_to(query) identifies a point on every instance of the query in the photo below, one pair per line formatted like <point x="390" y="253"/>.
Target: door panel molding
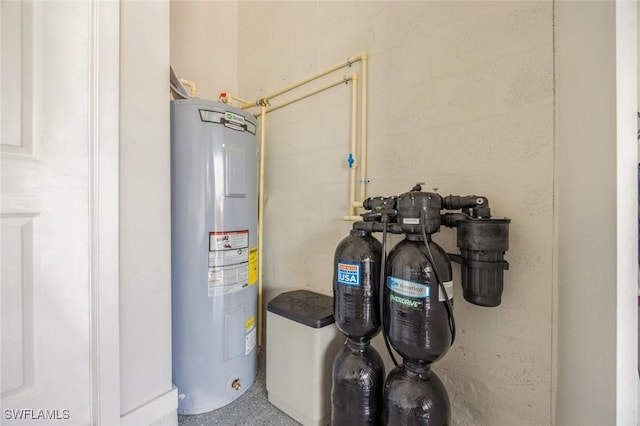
<point x="19" y="89"/>
<point x="104" y="211"/>
<point x="18" y="343"/>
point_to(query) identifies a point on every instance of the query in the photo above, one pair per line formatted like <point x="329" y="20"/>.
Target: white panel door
<point x="47" y="58"/>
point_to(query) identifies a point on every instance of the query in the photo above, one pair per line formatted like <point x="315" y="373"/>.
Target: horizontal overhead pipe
<point x="343" y="80"/>
<point x="340" y="65"/>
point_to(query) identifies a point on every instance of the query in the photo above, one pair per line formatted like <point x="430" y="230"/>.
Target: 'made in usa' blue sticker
<point x="349" y="274"/>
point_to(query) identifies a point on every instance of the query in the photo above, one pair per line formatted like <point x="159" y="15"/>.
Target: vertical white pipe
<point x="354" y="144"/>
<point x="363" y="130"/>
<point x="263" y="125"/>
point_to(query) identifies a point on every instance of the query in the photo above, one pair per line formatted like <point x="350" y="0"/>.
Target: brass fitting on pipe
<point x="236" y="384"/>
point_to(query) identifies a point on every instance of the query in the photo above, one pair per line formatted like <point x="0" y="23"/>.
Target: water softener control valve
<point x="482" y="240"/>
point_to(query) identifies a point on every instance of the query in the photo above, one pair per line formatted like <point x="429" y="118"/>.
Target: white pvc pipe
<point x="344" y="80"/>
<point x="263" y="125"/>
<point x="363" y="130"/>
<point x="228" y="99"/>
<point x="315" y="76"/>
<point x="191" y="85"/>
<point x="263" y="115"/>
<point x="354" y="142"/>
<point x="263" y="102"/>
<point x="355" y="201"/>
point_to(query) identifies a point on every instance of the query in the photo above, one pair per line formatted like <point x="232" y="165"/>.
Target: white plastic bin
<point x="302" y="342"/>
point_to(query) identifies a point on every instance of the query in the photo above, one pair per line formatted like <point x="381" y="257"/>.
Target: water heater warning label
<point x="228" y="240"/>
<point x="253" y="265"/>
<point x="228" y="262"/>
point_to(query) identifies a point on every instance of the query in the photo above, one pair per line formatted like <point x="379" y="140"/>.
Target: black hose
<point x="382" y="284"/>
<point x="452" y="321"/>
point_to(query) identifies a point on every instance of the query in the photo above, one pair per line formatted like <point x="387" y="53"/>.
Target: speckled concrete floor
<point x="251" y="409"/>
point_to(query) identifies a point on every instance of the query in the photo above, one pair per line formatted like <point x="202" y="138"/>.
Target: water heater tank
<point x="214" y="252"/>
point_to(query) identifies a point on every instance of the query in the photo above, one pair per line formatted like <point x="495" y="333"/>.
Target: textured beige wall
<point x="204" y="45"/>
<point x="461" y="97"/>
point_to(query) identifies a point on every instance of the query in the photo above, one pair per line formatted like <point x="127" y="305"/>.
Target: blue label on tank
<point x="408" y="288"/>
<point x="349" y="274"/>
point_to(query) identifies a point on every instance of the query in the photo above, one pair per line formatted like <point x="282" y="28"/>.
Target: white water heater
<point x="214" y="252"/>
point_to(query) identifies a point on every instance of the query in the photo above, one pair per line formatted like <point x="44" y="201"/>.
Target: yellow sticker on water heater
<point x="249" y="324"/>
<point x="253" y="265"/>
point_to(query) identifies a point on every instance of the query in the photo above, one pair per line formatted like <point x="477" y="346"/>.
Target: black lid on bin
<point x="305" y="307"/>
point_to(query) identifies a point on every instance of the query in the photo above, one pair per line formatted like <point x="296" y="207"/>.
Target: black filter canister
<point x="416" y="317"/>
<point x="415" y="395"/>
<point x="358" y="381"/>
<point x="483" y="243"/>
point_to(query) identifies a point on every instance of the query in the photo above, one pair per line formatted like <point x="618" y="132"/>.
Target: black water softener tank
<point x="358" y="370"/>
